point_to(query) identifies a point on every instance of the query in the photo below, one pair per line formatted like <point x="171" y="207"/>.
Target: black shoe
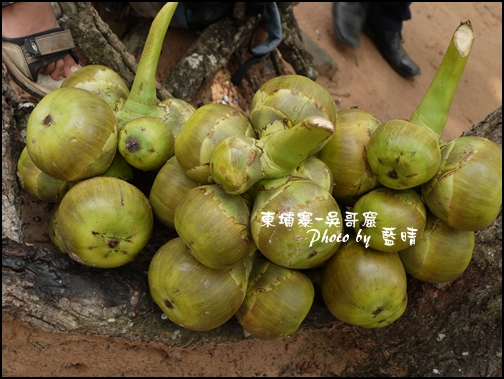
<point x="390" y="46"/>
<point x="348" y="20"/>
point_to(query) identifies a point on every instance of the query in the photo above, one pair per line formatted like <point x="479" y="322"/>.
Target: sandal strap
<point x="43" y="48"/>
<point x="56" y="41"/>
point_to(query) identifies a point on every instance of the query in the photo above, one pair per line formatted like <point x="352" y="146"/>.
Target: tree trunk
<point x="211" y="52"/>
<point x="453" y="329"/>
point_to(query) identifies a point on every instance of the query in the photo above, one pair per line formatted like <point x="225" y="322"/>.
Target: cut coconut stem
<point x="287" y="149"/>
<point x="238" y="162"/>
<point x="435" y="106"/>
<point x="142" y="97"/>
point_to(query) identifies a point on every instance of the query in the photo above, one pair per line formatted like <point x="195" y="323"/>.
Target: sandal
<point x="24" y="57"/>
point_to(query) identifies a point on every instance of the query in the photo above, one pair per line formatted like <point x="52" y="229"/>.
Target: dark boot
<point x="348" y="20"/>
<point x="390" y="46"/>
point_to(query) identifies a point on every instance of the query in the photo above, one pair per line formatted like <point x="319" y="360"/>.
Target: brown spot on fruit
<point x="392" y="174"/>
<point x="47" y="120"/>
<point x="168" y="304"/>
<point x="132" y="145"/>
<point x="112" y="242"/>
<point x="377" y="311"/>
<point x="250" y="157"/>
<point x="312" y="254"/>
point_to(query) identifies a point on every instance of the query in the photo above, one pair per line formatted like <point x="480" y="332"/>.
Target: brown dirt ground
<point x="365" y="80"/>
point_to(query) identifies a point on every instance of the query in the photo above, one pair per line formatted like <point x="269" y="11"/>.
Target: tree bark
<point x="97" y="44"/>
<point x="221" y="40"/>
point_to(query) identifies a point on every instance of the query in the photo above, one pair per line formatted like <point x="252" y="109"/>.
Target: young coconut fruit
<point x="346" y="155"/>
<point x="278" y="299"/>
<point x="389" y="220"/>
<point x="104" y="222"/>
<point x="168" y="189"/>
<point x="191" y="294"/>
<point x="365" y="287"/>
<point x="37" y="183"/>
<point x="204" y="130"/>
<point x="101" y="80"/>
<point x="143" y="140"/>
<point x="405" y="154"/>
<point x="238" y="162"/>
<point x="146" y="143"/>
<point x="72" y="134"/>
<point x="286" y="100"/>
<point x="466" y="191"/>
<point x="215" y="226"/>
<point x="441" y="254"/>
<point x="296" y="224"/>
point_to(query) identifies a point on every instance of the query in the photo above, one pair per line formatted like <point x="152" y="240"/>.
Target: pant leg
<point x="388" y="16"/>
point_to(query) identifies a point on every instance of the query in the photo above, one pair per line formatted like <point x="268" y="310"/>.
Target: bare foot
<point x="23" y="19"/>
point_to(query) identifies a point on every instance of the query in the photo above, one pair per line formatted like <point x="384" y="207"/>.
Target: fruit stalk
<point x="237" y="163"/>
<point x="434" y="108"/>
<point x="142" y="98"/>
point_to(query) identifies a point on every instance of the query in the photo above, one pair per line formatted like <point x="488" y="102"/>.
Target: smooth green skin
<point x="346" y="156"/>
<point x="364" y="287"/>
<point x="72" y="134"/>
<point x="37" y="183"/>
<point x="441" y="254"/>
<point x="289" y="246"/>
<point x="235" y="164"/>
<point x="119" y="168"/>
<point x="317" y="171"/>
<point x="177" y="114"/>
<point x="192" y="295"/>
<point x="277" y="301"/>
<point x="215" y="226"/>
<point x="53" y="230"/>
<point x="289" y="99"/>
<point x="169" y="187"/>
<point x="146" y="143"/>
<point x="399" y="209"/>
<point x="101" y="80"/>
<point x="104" y="222"/>
<point x="466" y="192"/>
<point x="205" y="129"/>
<point x="403" y="154"/>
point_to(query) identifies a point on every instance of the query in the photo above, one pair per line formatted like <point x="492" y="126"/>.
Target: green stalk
<point x="285" y="150"/>
<point x="238" y="162"/>
<point x="434" y="108"/>
<point x="142" y="98"/>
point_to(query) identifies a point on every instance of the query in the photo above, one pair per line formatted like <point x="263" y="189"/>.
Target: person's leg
<point x="348" y="20"/>
<point x="384" y="26"/>
<point x="388" y="16"/>
<point x="23" y="19"/>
